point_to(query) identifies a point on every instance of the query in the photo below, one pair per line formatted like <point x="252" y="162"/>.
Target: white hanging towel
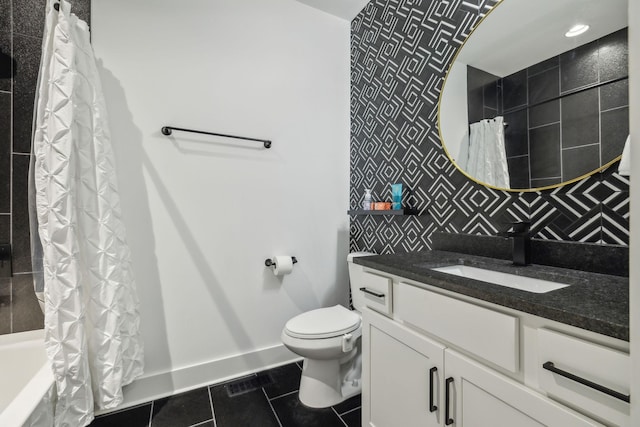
<point x="91" y="306"/>
<point x="624" y="168"/>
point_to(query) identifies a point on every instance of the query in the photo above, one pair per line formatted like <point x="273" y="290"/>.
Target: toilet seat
<point x="323" y="323"/>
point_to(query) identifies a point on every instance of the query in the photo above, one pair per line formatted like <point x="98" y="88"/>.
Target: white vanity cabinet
<point x="411" y="380"/>
<point x="436" y="360"/>
<point x="402" y="385"/>
<point x="566" y="363"/>
<point x="478" y="396"/>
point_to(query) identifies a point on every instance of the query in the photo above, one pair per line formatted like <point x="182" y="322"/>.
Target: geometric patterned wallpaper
<point x="400" y="51"/>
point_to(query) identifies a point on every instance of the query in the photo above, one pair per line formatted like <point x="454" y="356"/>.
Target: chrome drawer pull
<point x="549" y="366"/>
<point x="370" y="292"/>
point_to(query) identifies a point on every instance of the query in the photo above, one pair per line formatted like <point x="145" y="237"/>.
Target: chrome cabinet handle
<point x="370" y="292"/>
<point x="549" y="366"/>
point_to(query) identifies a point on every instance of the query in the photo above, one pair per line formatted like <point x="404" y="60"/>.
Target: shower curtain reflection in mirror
<point x="483" y="155"/>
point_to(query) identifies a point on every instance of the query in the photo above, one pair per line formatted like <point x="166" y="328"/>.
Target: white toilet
<point x="329" y="340"/>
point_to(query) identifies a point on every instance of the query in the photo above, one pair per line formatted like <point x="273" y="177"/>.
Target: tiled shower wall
<point x="550" y="140"/>
<point x="484" y="95"/>
<point x="21" y="27"/>
<point x="400" y="51"/>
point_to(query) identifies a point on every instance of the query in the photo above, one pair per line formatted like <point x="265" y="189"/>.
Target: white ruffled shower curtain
<point x="91" y="306"/>
<point x="484" y="155"/>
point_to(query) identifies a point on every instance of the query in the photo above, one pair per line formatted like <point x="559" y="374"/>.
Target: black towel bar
<point x="166" y="130"/>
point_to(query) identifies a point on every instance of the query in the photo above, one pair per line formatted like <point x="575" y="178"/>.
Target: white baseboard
<point x="165" y="384"/>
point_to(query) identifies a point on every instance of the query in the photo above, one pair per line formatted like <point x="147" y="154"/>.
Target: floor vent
<point x="247" y="385"/>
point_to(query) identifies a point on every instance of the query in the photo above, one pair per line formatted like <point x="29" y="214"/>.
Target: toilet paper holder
<point x="269" y="262"/>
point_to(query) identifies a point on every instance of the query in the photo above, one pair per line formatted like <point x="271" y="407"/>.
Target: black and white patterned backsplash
<point x="400" y="51"/>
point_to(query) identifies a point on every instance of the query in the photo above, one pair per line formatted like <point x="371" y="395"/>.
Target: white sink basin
<point x="514" y="281"/>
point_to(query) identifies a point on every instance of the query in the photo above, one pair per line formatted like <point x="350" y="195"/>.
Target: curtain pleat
<point x="91" y="306"/>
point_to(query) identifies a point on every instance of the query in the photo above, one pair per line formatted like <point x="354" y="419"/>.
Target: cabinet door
<point x="402" y="376"/>
<point x="601" y="365"/>
<point x="480" y="397"/>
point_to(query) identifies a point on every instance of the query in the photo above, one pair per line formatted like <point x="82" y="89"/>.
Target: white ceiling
<point x="520" y="33"/>
<point x="345" y="9"/>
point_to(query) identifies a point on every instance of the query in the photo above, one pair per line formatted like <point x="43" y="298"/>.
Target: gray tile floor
<point x="265" y="399"/>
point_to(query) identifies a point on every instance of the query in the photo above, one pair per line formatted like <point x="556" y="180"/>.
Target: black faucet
<point x="520" y="240"/>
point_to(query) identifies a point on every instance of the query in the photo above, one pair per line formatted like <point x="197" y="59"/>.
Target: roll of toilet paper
<point x="283" y="265"/>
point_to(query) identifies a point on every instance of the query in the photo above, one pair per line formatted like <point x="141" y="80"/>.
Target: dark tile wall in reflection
<point x="484" y="95"/>
<point x="21" y="29"/>
<point x="571" y="136"/>
<point x="549" y="140"/>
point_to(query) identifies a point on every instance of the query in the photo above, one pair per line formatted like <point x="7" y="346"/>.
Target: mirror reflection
<point x="527" y="106"/>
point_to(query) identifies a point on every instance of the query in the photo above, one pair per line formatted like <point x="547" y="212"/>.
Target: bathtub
<point x="26" y="380"/>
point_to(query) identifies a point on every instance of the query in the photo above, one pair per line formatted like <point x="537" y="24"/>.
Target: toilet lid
<point x="323" y="323"/>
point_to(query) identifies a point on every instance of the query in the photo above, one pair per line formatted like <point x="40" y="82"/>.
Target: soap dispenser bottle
<point x="366" y="204"/>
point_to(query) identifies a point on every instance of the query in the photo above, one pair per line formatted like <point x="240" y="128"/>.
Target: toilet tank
<point x="356" y="279"/>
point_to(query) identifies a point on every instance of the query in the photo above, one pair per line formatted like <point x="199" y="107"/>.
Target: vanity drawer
<point x="377" y="292"/>
<point x="578" y="360"/>
<point x="486" y="333"/>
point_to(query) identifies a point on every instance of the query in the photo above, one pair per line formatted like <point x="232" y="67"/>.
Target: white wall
<point x="454" y="114"/>
<point x="202" y="216"/>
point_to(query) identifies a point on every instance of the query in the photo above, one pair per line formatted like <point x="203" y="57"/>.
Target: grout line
<point x="151" y="413"/>
<point x="560" y="131"/>
<point x="16" y="33"/>
<point x="543" y="71"/>
<point x="599" y="94"/>
<point x="201" y="423"/>
<point x="512" y="109"/>
<point x="584" y="86"/>
<point x="350" y="410"/>
<point x="338" y="415"/>
<point x="271" y="406"/>
<point x="546" y="177"/>
<point x="213" y="412"/>
<point x="581" y="146"/>
<point x="10" y="305"/>
<point x="119" y="411"/>
<point x="11" y="180"/>
<point x="620" y="107"/>
<point x="546" y="124"/>
<point x="282" y="395"/>
<point x="528" y="110"/>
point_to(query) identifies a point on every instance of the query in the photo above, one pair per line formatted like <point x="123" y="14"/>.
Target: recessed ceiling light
<point x="576" y="30"/>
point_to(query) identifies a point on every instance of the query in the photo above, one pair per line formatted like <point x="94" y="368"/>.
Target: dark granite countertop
<point x="595" y="302"/>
